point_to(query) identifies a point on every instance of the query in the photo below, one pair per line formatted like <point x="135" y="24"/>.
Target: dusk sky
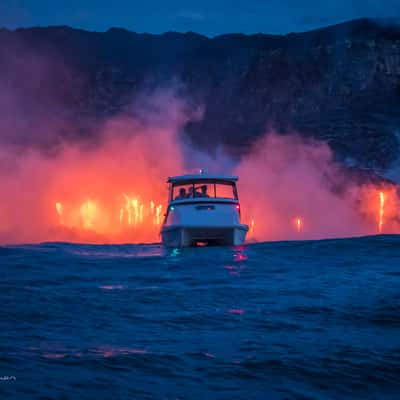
<point x="209" y="17"/>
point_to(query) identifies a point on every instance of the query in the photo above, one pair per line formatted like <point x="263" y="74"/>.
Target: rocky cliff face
<point x="340" y="84"/>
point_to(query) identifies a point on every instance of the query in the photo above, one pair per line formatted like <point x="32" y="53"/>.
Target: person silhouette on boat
<point x="182" y="194"/>
<point x="203" y="192"/>
<point x="191" y="193"/>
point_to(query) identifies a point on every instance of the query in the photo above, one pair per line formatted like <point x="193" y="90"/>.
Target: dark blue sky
<point x="209" y="17"/>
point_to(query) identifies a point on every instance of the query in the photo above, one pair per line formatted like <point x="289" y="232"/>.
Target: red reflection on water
<point x="113" y="352"/>
<point x="239" y="254"/>
<point x="235" y="270"/>
<point x="238" y="311"/>
<point x="240" y="257"/>
<point x="54" y="355"/>
<point x="112" y="287"/>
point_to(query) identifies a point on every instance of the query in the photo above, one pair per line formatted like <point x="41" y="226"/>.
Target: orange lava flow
<point x="117" y="192"/>
<point x="299" y="224"/>
<point x="129" y="216"/>
<point x="381" y="206"/>
<point x="113" y="193"/>
<point x="251" y="228"/>
<point x="381" y="210"/>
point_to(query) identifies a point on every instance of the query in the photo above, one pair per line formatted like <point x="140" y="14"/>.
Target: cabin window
<point x="204" y="190"/>
<point x="226" y="191"/>
<point x="181" y="192"/>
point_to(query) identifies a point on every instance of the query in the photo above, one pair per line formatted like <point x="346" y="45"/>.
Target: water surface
<point x="288" y="320"/>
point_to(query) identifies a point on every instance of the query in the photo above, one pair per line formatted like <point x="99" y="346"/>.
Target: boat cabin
<point x="200" y="187"/>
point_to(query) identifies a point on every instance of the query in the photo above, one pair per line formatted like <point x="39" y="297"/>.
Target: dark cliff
<point x="340" y="84"/>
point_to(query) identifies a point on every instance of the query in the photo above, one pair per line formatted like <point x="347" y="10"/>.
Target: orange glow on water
<point x="238" y="311"/>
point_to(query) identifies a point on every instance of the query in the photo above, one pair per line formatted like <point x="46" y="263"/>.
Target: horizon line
<point x="388" y="22"/>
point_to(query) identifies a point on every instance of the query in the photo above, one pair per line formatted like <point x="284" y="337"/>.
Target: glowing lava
<point x="110" y="218"/>
<point x="88" y="212"/>
<point x="158" y="215"/>
<point x="132" y="212"/>
<point x="60" y="212"/>
<point x="381" y="210"/>
<point x="381" y="206"/>
<point x="95" y="196"/>
<point x="299" y="224"/>
<point x="251" y="227"/>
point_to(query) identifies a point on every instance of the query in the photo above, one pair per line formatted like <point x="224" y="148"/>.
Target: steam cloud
<point x="58" y="184"/>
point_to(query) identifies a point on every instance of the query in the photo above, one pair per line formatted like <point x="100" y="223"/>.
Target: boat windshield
<point x="220" y="190"/>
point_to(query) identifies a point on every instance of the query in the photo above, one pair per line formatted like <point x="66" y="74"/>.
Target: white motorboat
<point x="203" y="209"/>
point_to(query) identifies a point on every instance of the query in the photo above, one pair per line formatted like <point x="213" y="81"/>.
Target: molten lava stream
<point x="98" y="221"/>
<point x="381" y="210"/>
<point x="381" y="206"/>
<point x="299" y="224"/>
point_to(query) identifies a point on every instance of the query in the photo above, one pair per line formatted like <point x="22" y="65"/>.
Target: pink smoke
<point x="286" y="178"/>
<point x="58" y="184"/>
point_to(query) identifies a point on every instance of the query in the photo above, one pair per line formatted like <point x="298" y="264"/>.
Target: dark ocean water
<point x="289" y="320"/>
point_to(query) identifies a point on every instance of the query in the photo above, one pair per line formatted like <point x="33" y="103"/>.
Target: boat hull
<point x="188" y="236"/>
